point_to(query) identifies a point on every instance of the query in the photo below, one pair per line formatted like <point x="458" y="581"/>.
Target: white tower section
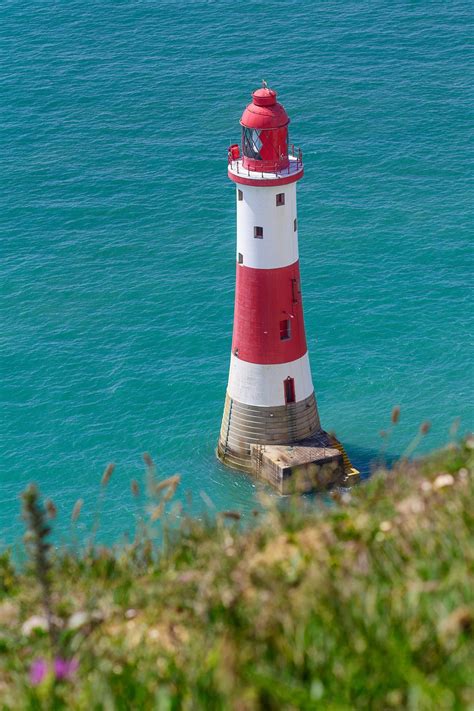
<point x="256" y="206"/>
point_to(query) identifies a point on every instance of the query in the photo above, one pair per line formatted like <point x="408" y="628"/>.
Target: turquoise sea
<point x="117" y="231"/>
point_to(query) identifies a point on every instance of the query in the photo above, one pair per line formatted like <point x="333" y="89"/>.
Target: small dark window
<point x="241" y="258"/>
<point x="285" y="330"/>
<point x="280" y="199"/>
<point x="258" y="232"/>
<point x="289" y="386"/>
<point x="295" y="225"/>
<point x="240" y="195"/>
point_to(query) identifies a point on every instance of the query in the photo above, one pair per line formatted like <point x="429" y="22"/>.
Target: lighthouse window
<point x="295" y="225"/>
<point x="240" y="195"/>
<point x="289" y="386"/>
<point x="240" y="258"/>
<point x="280" y="199"/>
<point x="285" y="330"/>
<point x="251" y="143"/>
<point x="258" y="232"/>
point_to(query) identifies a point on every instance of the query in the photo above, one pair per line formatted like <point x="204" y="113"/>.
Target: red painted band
<point x="264" y="183"/>
<point x="268" y="316"/>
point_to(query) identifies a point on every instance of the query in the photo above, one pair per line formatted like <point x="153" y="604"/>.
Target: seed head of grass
<point x="51" y="509"/>
<point x="148" y="460"/>
<point x="171" y="482"/>
<point x="425" y="427"/>
<point x="108" y="471"/>
<point x="76" y="511"/>
<point x="395" y="414"/>
<point x="157" y="511"/>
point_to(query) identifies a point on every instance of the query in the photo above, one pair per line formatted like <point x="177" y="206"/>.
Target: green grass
<point x="364" y="605"/>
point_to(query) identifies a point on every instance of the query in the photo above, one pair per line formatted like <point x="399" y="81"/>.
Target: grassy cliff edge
<point x="367" y="604"/>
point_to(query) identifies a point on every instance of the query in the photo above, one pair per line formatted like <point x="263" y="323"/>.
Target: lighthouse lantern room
<point x="271" y="425"/>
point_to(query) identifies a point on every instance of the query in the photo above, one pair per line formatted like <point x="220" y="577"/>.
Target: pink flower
<point x="65" y="668"/>
<point x="38" y="671"/>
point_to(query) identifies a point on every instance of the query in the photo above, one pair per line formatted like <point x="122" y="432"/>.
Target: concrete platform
<point x="310" y="465"/>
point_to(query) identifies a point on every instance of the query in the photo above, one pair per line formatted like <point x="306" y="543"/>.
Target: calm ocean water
<point x="117" y="226"/>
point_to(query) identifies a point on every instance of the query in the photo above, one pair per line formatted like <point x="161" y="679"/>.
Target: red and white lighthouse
<point x="270" y="397"/>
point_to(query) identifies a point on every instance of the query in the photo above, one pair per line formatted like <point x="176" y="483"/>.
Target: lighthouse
<point x="271" y="425"/>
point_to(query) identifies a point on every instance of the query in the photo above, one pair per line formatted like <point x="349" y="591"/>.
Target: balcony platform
<point x="268" y="176"/>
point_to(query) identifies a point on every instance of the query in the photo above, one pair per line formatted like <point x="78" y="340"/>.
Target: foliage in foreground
<point x="365" y="605"/>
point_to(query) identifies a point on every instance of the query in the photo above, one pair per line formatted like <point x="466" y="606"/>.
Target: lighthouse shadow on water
<point x="271" y="426"/>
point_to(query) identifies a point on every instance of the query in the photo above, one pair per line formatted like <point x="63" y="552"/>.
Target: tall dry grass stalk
<point x="386" y="434"/>
<point x="38" y="547"/>
<point x="422" y="432"/>
<point x="106" y="476"/>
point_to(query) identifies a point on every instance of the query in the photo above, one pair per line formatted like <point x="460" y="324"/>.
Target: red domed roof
<point x="264" y="111"/>
<point x="264" y="97"/>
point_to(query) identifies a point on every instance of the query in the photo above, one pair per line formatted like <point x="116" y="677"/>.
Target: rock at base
<point x="303" y="467"/>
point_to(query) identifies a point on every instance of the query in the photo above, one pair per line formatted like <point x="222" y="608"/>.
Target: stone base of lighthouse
<point x="282" y="445"/>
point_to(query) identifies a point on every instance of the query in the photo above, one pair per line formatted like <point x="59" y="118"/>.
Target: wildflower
<point x="62" y="668"/>
<point x="38" y="671"/>
<point x="36" y="622"/>
<point x="78" y="619"/>
<point x="65" y="668"/>
<point x="81" y="619"/>
<point x="443" y="480"/>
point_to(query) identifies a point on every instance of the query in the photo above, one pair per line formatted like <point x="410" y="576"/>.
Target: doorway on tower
<point x="289" y="386"/>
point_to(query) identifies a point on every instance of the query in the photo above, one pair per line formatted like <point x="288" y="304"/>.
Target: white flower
<point x="443" y="480"/>
<point x="77" y="620"/>
<point x="34" y="623"/>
